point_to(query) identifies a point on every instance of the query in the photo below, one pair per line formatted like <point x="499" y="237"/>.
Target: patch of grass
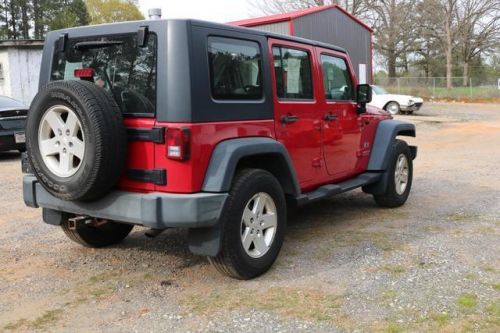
<point x="306" y="304"/>
<point x="441" y="319"/>
<point x="496" y="286"/>
<point x="470" y="276"/>
<point x="489" y="269"/>
<point x="14" y="326"/>
<point x="467" y="302"/>
<point x="462" y="217"/>
<point x="41" y="322"/>
<point x="388" y="294"/>
<point x="394" y="269"/>
<point x="393" y="328"/>
<point x="493" y="311"/>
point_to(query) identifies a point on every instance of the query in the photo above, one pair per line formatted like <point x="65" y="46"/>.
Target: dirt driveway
<point x="347" y="265"/>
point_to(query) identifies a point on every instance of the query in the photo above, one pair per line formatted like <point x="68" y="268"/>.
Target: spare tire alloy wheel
<point x="258" y="225"/>
<point x="61" y="141"/>
<point x="76" y="140"/>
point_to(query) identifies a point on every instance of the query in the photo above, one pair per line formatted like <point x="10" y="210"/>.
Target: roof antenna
<point x="154" y="13"/>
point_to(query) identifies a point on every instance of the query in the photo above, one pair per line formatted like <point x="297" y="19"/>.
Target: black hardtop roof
<point x="93" y="29"/>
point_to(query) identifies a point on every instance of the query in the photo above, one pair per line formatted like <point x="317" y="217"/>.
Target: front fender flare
<point x="387" y="131"/>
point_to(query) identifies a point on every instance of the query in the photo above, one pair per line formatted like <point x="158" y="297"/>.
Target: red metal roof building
<point x="329" y="24"/>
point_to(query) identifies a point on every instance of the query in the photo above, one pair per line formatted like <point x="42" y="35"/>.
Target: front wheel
<point x="253" y="224"/>
<point x="399" y="178"/>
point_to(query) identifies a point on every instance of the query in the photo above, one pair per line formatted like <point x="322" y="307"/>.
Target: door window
<point x="292" y="69"/>
<point x="336" y="79"/>
<point x="235" y="69"/>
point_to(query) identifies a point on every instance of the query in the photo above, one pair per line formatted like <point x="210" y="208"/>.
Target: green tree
<point x="108" y="11"/>
<point x="72" y="13"/>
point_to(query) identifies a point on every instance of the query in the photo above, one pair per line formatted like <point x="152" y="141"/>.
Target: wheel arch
<point x="228" y="157"/>
<point x="256" y="152"/>
<point x="387" y="131"/>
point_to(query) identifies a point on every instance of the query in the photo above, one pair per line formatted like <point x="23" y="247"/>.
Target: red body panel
<point x="188" y="176"/>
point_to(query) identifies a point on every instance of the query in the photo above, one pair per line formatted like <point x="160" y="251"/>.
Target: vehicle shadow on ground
<point x="343" y="211"/>
<point x="9" y="156"/>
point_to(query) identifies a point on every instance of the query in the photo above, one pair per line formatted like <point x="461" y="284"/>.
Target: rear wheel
<point x="400" y="177"/>
<point x="393" y="108"/>
<point x="96" y="232"/>
<point x="253" y="224"/>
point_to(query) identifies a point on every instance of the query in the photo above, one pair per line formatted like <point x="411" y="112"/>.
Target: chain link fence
<point x="434" y="88"/>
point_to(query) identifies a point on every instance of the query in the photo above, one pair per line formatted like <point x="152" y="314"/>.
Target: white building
<point x="19" y="68"/>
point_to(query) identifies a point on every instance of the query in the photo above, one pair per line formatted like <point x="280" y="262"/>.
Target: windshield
<point x="119" y="66"/>
<point x="379" y="90"/>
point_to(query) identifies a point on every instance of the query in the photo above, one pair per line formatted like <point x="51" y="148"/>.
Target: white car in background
<point x="393" y="103"/>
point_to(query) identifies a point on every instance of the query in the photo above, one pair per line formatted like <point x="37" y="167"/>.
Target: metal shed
<point x="329" y="24"/>
<point x="19" y="68"/>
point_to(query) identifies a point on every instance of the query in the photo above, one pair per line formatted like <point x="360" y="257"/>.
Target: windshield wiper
<point x="96" y="44"/>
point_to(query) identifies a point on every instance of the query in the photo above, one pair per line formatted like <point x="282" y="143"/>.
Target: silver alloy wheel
<point x="258" y="225"/>
<point x="401" y="174"/>
<point x="61" y="141"/>
<point x="393" y="108"/>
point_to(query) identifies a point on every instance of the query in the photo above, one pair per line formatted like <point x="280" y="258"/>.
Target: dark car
<point x="12" y="124"/>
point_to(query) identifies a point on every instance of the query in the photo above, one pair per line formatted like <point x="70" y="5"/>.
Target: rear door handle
<point x="330" y="117"/>
<point x="289" y="118"/>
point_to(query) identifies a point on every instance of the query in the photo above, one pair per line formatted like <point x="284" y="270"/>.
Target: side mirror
<point x="363" y="96"/>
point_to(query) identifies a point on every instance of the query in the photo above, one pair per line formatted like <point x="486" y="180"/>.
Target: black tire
<point x="104" y="138"/>
<point x="21" y="150"/>
<point x="233" y="260"/>
<point x="90" y="236"/>
<point x="393" y="108"/>
<point x="391" y="198"/>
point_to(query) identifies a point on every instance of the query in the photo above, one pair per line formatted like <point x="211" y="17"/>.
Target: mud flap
<point x="205" y="241"/>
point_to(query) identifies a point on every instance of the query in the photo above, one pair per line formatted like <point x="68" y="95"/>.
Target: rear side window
<point x="336" y="79"/>
<point x="235" y="69"/>
<point x="119" y="65"/>
<point x="292" y="69"/>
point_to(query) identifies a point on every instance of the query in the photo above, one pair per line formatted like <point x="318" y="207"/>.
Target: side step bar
<point x="332" y="189"/>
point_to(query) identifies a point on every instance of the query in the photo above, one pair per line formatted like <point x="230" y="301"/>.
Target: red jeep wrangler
<point x="218" y="129"/>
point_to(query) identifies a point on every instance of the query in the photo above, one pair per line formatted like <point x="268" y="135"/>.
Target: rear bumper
<point x="153" y="210"/>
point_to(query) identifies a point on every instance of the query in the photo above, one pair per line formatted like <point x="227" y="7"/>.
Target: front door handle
<point x="330" y="117"/>
<point x="289" y="118"/>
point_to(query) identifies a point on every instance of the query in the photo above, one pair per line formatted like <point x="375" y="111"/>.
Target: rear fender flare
<point x="229" y="153"/>
<point x="220" y="172"/>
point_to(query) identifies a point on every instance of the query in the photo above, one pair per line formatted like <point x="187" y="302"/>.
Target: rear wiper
<point x="97" y="44"/>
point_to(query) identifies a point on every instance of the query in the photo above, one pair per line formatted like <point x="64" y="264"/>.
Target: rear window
<point x="120" y="66"/>
<point x="235" y="69"/>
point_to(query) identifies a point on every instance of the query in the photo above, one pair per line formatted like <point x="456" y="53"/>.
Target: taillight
<point x="84" y="73"/>
<point x="178" y="143"/>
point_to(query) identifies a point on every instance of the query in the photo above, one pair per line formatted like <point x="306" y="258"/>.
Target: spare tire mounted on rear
<point x="76" y="140"/>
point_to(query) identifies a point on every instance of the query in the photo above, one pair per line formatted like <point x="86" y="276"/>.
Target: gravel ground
<point x="346" y="265"/>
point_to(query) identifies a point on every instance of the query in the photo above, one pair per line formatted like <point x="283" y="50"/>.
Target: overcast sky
<point x="209" y="10"/>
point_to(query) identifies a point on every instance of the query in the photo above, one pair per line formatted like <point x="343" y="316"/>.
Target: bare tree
<point x="394" y="30"/>
<point x="479" y="30"/>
